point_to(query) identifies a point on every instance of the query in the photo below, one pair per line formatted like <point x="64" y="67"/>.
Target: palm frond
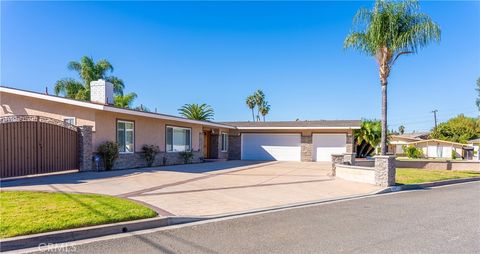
<point x="118" y="84"/>
<point x="68" y="87"/>
<point x="197" y="112"/>
<point x="124" y="101"/>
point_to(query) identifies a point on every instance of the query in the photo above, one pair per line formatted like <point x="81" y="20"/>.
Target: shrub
<point x="454" y="154"/>
<point x="149" y="153"/>
<point x="413" y="152"/>
<point x="109" y="153"/>
<point x="186" y="156"/>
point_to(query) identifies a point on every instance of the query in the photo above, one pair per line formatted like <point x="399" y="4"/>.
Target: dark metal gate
<point x="36" y="145"/>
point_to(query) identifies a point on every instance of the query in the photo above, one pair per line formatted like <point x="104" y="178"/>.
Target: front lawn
<point x="415" y="175"/>
<point x="24" y="212"/>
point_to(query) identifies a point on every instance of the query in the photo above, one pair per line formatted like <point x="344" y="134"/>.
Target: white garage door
<point x="324" y="145"/>
<point x="262" y="146"/>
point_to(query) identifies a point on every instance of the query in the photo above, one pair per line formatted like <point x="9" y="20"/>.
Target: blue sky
<point x="172" y="53"/>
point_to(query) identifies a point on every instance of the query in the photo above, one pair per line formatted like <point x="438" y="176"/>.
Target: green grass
<point x="415" y="175"/>
<point x="23" y="212"/>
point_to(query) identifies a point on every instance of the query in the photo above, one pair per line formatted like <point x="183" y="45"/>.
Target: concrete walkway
<point x="207" y="188"/>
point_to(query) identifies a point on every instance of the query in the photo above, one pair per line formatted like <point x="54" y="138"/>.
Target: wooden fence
<point x="36" y="145"/>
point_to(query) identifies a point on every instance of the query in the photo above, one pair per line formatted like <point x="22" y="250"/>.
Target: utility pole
<point x="435" y="117"/>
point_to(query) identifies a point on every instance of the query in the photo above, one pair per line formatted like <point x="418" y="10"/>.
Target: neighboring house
<point x="476" y="145"/>
<point x="131" y="129"/>
<point x="435" y="148"/>
<point x="396" y="142"/>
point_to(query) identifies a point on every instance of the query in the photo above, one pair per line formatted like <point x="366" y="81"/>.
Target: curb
<point x="426" y="185"/>
<point x="68" y="235"/>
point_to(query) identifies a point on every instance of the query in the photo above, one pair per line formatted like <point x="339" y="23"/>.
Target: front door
<point x="206" y="144"/>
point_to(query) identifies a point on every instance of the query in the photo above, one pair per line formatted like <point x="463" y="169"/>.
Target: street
<point x="438" y="220"/>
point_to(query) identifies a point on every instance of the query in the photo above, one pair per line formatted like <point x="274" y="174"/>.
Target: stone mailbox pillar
<point x="336" y="158"/>
<point x="385" y="170"/>
<point x="85" y="148"/>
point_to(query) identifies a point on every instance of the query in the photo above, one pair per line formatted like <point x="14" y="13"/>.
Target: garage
<point x="270" y="146"/>
<point x="324" y="145"/>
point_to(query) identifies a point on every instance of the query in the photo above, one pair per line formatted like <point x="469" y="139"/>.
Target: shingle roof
<point x="298" y="124"/>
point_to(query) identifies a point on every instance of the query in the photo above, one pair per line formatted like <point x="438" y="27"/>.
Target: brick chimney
<point x="101" y="92"/>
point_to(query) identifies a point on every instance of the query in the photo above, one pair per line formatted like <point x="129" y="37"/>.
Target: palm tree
<point x="401" y="129"/>
<point x="264" y="109"/>
<point x="259" y="101"/>
<point x="124" y="101"/>
<point x="197" y="112"/>
<point x="88" y="71"/>
<point x="250" y="101"/>
<point x="368" y="137"/>
<point x="386" y="32"/>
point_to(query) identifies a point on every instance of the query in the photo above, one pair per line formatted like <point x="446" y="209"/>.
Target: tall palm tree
<point x="88" y="71"/>
<point x="124" y="101"/>
<point x="401" y="129"/>
<point x="386" y="32"/>
<point x="250" y="101"/>
<point x="259" y="101"/>
<point x="264" y="109"/>
<point x="197" y="111"/>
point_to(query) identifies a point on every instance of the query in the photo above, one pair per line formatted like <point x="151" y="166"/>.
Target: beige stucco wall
<point x="147" y="130"/>
<point x="11" y="104"/>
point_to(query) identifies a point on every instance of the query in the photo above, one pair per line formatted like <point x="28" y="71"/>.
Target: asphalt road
<point x="439" y="220"/>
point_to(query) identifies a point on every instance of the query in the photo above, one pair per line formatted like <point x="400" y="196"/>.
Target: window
<point x="70" y="120"/>
<point x="125" y="136"/>
<point x="178" y="139"/>
<point x="224" y="142"/>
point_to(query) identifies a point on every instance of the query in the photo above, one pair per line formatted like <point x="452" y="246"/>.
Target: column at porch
<point x="306" y="147"/>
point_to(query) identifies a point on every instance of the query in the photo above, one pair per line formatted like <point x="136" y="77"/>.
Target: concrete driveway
<point x="208" y="188"/>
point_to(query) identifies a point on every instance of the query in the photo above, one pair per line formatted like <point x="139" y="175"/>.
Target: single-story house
<point x="396" y="142"/>
<point x="131" y="129"/>
<point x="435" y="148"/>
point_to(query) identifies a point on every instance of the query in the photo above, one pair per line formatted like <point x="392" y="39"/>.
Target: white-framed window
<point x="178" y="139"/>
<point x="126" y="136"/>
<point x="224" y="142"/>
<point x="70" y="119"/>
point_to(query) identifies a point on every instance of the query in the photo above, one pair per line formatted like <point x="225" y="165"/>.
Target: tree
<point x="458" y="129"/>
<point x="401" y="129"/>
<point x="386" y="32"/>
<point x="197" y="112"/>
<point x="478" y="96"/>
<point x="124" y="101"/>
<point x="368" y="137"/>
<point x="250" y="101"/>
<point x="88" y="71"/>
<point x="264" y="109"/>
<point x="259" y="101"/>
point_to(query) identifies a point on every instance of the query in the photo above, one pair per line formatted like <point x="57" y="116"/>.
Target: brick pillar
<point x="385" y="170"/>
<point x="350" y="143"/>
<point x="349" y="158"/>
<point x="307" y="147"/>
<point x="234" y="147"/>
<point x="85" y="148"/>
<point x="214" y="146"/>
<point x="200" y="144"/>
<point x="336" y="159"/>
